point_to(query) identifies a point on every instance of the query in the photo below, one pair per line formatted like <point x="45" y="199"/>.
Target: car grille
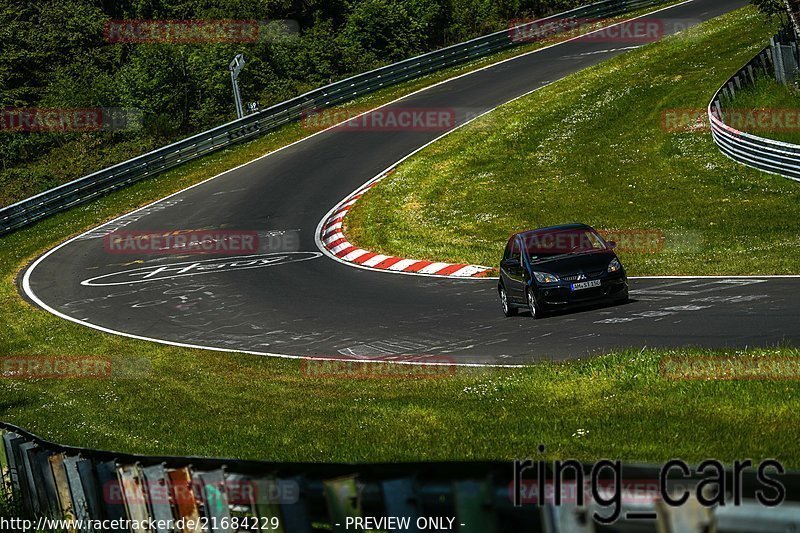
<point x="589" y="275"/>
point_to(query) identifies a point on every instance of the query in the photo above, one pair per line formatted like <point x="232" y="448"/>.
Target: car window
<point x="515" y="250"/>
<point x="593" y="241"/>
<point x="507" y="251"/>
<point x="542" y="245"/>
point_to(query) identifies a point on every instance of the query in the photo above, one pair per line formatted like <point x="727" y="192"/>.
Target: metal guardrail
<point x="769" y="155"/>
<point x="41" y="480"/>
<point x="123" y="174"/>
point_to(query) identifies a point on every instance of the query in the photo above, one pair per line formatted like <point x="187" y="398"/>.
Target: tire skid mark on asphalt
<point x="691" y="287"/>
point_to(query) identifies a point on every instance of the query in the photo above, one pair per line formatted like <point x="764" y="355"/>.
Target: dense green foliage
<point x="771" y="8"/>
<point x="53" y="53"/>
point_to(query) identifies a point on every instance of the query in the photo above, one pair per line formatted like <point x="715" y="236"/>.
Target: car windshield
<point x="544" y="244"/>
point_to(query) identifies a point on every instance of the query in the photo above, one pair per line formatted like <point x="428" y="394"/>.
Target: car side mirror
<point x="612" y="245"/>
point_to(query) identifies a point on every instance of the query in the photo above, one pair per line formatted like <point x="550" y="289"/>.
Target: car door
<point x="513" y="272"/>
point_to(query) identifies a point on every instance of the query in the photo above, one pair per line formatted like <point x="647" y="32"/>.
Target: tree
<point x="772" y="8"/>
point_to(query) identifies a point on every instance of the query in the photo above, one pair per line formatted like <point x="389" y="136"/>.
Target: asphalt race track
<point x="302" y="303"/>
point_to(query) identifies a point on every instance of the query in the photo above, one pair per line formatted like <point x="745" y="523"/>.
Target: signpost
<point x="236" y="67"/>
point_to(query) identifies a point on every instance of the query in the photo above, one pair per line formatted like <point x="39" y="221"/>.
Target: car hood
<point x="575" y="263"/>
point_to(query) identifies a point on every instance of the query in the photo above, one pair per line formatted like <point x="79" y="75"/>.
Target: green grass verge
<point x="768" y="94"/>
<point x="195" y="402"/>
<point x="235" y="405"/>
<point x="592" y="148"/>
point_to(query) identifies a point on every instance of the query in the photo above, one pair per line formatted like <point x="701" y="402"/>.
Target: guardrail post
<point x="130" y="479"/>
<point x="296" y="516"/>
<point x="62" y="488"/>
<point x="400" y="499"/>
<point x="30" y="499"/>
<point x="90" y="484"/>
<point x="80" y="505"/>
<point x="5" y="472"/>
<point x="343" y="500"/>
<point x="45" y="483"/>
<point x="215" y="499"/>
<point x="475" y="506"/>
<point x="155" y="479"/>
<point x="183" y="498"/>
<point x="110" y="491"/>
<point x="777" y="60"/>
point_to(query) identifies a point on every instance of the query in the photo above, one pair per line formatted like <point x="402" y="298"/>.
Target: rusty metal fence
<point x="45" y="481"/>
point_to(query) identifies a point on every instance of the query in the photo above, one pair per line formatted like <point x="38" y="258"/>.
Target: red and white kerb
<point x="336" y="243"/>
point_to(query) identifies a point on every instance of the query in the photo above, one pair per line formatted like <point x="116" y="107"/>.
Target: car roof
<point x="549" y="229"/>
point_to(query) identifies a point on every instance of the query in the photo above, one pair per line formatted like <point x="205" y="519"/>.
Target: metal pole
<point x="236" y="67"/>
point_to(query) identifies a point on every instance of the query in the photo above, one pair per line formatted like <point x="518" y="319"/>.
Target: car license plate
<point x="586" y="285"/>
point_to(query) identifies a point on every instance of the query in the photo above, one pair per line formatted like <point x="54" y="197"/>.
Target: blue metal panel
<point x="157" y="488"/>
<point x="400" y="499"/>
<point x="79" y="504"/>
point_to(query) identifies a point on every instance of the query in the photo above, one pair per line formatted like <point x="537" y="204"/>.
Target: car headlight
<point x="544" y="277"/>
<point x="614" y="266"/>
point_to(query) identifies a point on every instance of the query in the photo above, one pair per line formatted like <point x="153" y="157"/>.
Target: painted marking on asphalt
<point x="687" y="307"/>
<point x="194" y="268"/>
<point x="606" y="51"/>
<point x="690" y="286"/>
<point x="739" y="298"/>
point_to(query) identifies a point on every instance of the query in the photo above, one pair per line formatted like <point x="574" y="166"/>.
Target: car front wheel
<point x="507" y="309"/>
<point x="533" y="305"/>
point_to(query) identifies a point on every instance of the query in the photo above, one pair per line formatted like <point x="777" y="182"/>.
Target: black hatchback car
<point x="558" y="266"/>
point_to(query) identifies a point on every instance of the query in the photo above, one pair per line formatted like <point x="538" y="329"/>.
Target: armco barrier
<point x="42" y="481"/>
<point x="764" y="154"/>
<point x="123" y="174"/>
